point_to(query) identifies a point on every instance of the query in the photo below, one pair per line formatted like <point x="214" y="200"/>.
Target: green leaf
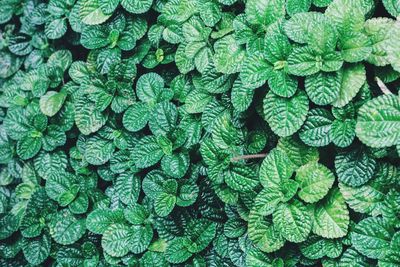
<point x="392" y="6"/>
<point x="364" y="199"/>
<point x="163" y="118"/>
<point x="283" y="84"/>
<point x="353" y="78"/>
<point x="267" y="200"/>
<point x="324" y="87"/>
<point x="149" y="87"/>
<point x="136" y="117"/>
<point x="127" y="186"/>
<point x="91" y="14"/>
<point x="176" y="165"/>
<point x="264" y="234"/>
<point x="343" y="132"/>
<point x="285" y="116"/>
<point x="263" y="13"/>
<point x="87" y="117"/>
<point x="229" y="56"/>
<point x="293" y="220"/>
<point x="297" y="27"/>
<point x="298" y="153"/>
<point x="98" y="150"/>
<point x="37" y="250"/>
<point x="355" y="167"/>
<point x="29" y="146"/>
<point x="331" y="217"/>
<point x="296" y="6"/>
<point x="176" y="251"/>
<point x="52" y="102"/>
<point x="136" y="6"/>
<point x="99" y="220"/>
<point x="164" y="204"/>
<point x="372" y="236"/>
<point x="255" y="69"/>
<point x="116" y="240"/>
<point x="315" y="180"/>
<point x="241" y="178"/>
<point x="141" y="237"/>
<point x="355" y="47"/>
<point x="275" y="169"/>
<point x="147" y="152"/>
<point x="303" y="62"/>
<point x="56" y="28"/>
<point x="378" y="122"/>
<point x="316" y="131"/>
<point x="66" y="229"/>
<point x="108" y="6"/>
<point x="322" y="38"/>
<point x="200" y="233"/>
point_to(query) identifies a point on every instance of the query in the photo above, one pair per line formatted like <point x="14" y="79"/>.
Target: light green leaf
<point x="285" y="116"/>
<point x="293" y="220"/>
<point x="229" y="56"/>
<point x="353" y="78"/>
<point x="275" y="169"/>
<point x="372" y="236"/>
<point x="98" y="150"/>
<point x="263" y="233"/>
<point x="116" y="240"/>
<point x="378" y="122"/>
<point x="136" y="117"/>
<point x="298" y="153"/>
<point x="149" y="87"/>
<point x="267" y="200"/>
<point x="263" y="13"/>
<point x="99" y="220"/>
<point x="331" y="217"/>
<point x="316" y="131"/>
<point x="56" y="28"/>
<point x="324" y="87"/>
<point x="256" y="69"/>
<point x="147" y="152"/>
<point x="52" y="102"/>
<point x="136" y="6"/>
<point x="315" y="180"/>
<point x="91" y="14"/>
<point x="355" y="47"/>
<point x="65" y="228"/>
<point x="241" y="178"/>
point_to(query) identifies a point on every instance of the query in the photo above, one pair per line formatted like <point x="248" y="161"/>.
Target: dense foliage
<point x="200" y="133"/>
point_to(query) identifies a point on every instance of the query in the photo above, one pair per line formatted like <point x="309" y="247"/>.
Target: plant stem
<point x="254" y="156"/>
<point x="383" y="86"/>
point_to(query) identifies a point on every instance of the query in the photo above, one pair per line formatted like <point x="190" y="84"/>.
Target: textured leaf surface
<point x="354" y="168"/>
<point x="315" y="180"/>
<point x="285" y="116"/>
<point x="331" y="217"/>
<point x="372" y="237"/>
<point x="293" y="220"/>
<point x="378" y="122"/>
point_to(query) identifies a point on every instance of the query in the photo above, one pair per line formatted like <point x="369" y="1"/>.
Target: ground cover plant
<point x="199" y="133"/>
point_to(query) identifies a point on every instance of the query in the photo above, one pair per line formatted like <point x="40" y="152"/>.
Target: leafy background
<point x="199" y="133"/>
